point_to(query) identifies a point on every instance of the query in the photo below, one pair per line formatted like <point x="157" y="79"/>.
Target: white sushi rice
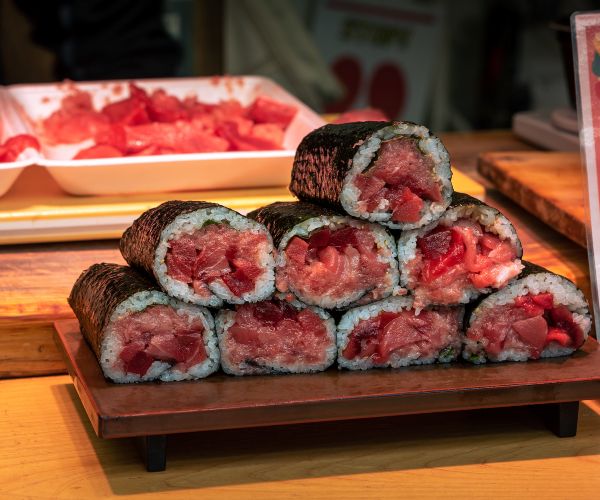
<point x="112" y="344"/>
<point x="564" y="293"/>
<point x="225" y="320"/>
<point x="217" y="293"/>
<point x="353" y="317"/>
<point x="491" y="220"/>
<point x="386" y="254"/>
<point x="429" y="145"/>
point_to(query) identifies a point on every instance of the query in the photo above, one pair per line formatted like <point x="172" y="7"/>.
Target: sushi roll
<point x="202" y="253"/>
<point x="327" y="259"/>
<point x="394" y="173"/>
<point x="275" y="336"/>
<point x="389" y="333"/>
<point x="539" y="315"/>
<point x="469" y="251"/>
<point x="137" y="332"/>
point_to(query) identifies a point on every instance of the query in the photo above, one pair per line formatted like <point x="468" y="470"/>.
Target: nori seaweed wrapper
<point x="324" y="157"/>
<point x="464" y="199"/>
<point x="97" y="293"/>
<point x="138" y="243"/>
<point x="281" y="217"/>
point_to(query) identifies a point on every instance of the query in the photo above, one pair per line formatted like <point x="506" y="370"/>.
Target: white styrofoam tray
<point x="10" y="125"/>
<point x="178" y="172"/>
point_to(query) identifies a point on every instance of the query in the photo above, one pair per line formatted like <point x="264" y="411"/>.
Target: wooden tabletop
<point x="48" y="450"/>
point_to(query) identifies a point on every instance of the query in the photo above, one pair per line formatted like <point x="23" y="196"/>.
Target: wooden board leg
<point x="561" y="418"/>
<point x="154" y="452"/>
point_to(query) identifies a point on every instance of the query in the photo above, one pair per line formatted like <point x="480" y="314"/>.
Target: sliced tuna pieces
<point x="390" y="333"/>
<point x="472" y="249"/>
<point x="137" y="332"/>
<point x="275" y="336"/>
<point x="327" y="259"/>
<point x="538" y="315"/>
<point x="202" y="253"/>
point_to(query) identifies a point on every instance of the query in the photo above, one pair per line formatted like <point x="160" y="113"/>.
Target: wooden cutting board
<point x="550" y="185"/>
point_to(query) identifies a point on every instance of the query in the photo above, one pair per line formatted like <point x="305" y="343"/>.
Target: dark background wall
<point x="491" y="58"/>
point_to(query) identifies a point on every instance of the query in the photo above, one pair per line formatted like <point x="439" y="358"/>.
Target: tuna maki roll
<point x="328" y="259"/>
<point x="275" y="336"/>
<point x="202" y="253"/>
<point x="469" y="251"/>
<point x="389" y="333"/>
<point x="137" y="332"/>
<point x="395" y="173"/>
<point x="539" y="315"/>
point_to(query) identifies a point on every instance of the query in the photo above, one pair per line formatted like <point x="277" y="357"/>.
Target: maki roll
<point x="202" y="253"/>
<point x="469" y="251"/>
<point x="275" y="336"/>
<point x="539" y="315"/>
<point x="137" y="332"/>
<point x="390" y="333"/>
<point x="327" y="259"/>
<point x="395" y="173"/>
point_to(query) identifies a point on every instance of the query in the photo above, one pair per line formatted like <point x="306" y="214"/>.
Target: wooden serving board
<point x="226" y="402"/>
<point x="548" y="184"/>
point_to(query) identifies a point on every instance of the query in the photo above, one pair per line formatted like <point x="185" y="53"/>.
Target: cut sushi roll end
<point x="469" y="251"/>
<point x="275" y="336"/>
<point x="215" y="255"/>
<point x="137" y="332"/>
<point x="151" y="336"/>
<point x="389" y="333"/>
<point x="400" y="177"/>
<point x="333" y="262"/>
<point x="538" y="316"/>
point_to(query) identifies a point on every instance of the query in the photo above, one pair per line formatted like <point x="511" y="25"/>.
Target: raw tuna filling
<point x="399" y="181"/>
<point x="158" y="333"/>
<point x="335" y="263"/>
<point x="218" y="254"/>
<point x="403" y="334"/>
<point x="274" y="332"/>
<point x="531" y="324"/>
<point x="449" y="260"/>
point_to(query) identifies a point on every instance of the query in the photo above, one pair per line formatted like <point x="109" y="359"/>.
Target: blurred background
<point x="455" y="65"/>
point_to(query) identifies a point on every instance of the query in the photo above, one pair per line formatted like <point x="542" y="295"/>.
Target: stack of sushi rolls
<point x="455" y="254"/>
<point x="150" y="320"/>
<point x="378" y="240"/>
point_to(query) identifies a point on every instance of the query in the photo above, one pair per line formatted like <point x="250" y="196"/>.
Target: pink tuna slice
<point x="335" y="263"/>
<point x="533" y="332"/>
<point x="275" y="332"/>
<point x="402" y="332"/>
<point x="217" y="252"/>
<point x="527" y="326"/>
<point x="451" y="259"/>
<point x="558" y="335"/>
<point x="159" y="333"/>
<point x="396" y="334"/>
<point x="401" y="174"/>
